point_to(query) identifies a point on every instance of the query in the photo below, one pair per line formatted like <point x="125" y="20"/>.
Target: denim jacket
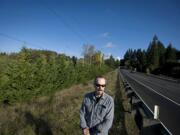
<point x="97" y="116"/>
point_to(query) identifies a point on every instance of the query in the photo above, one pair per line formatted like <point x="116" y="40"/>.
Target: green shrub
<point x="32" y="73"/>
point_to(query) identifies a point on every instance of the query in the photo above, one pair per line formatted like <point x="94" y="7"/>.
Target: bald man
<point x="97" y="110"/>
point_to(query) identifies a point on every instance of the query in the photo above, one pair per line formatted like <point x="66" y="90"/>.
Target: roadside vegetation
<point x="41" y="91"/>
<point x="156" y="59"/>
<point x="58" y="114"/>
<point x="124" y="123"/>
<point x="32" y="73"/>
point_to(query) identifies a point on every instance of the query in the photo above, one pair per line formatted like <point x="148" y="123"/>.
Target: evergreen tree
<point x="157" y="59"/>
<point x="178" y="55"/>
<point x="144" y="60"/>
<point x="128" y="54"/>
<point x="170" y="54"/>
<point x="161" y="51"/>
<point x="74" y="59"/>
<point x="32" y="73"/>
<point x="153" y="54"/>
<point x="139" y="56"/>
<point x="133" y="59"/>
<point x="110" y="62"/>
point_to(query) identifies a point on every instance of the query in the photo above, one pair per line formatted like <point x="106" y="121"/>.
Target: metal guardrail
<point x="146" y="119"/>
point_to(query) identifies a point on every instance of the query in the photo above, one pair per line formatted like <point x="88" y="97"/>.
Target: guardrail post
<point x="156" y="112"/>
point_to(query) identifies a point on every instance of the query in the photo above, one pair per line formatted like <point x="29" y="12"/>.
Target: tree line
<point x="31" y="73"/>
<point x="156" y="59"/>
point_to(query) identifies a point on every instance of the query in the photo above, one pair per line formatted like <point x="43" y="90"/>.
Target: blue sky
<point x="64" y="26"/>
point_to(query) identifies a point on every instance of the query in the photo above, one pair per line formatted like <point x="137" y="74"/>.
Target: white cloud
<point x="107" y="56"/>
<point x="109" y="45"/>
<point x="118" y="58"/>
<point x="105" y="34"/>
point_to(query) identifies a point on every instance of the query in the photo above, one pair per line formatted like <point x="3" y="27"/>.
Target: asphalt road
<point x="155" y="91"/>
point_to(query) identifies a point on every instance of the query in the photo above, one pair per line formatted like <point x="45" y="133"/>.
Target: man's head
<point x="100" y="84"/>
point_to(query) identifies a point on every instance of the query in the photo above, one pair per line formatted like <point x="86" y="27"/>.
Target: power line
<point x="66" y="24"/>
<point x="22" y="41"/>
<point x="19" y="40"/>
<point x="10" y="37"/>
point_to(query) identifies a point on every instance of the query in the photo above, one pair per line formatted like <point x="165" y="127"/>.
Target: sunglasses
<point x="98" y="85"/>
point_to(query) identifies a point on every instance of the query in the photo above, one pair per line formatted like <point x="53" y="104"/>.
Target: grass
<point x="129" y="122"/>
<point x="58" y="114"/>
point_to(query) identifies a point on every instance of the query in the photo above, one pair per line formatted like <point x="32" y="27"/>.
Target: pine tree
<point x="170" y="54"/>
<point x="153" y="54"/>
<point x="161" y="51"/>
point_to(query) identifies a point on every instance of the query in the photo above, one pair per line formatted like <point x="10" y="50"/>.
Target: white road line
<point x="155" y="91"/>
<point x="140" y="97"/>
<point x="148" y="107"/>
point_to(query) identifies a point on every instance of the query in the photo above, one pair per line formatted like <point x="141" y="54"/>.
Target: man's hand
<point x="86" y="131"/>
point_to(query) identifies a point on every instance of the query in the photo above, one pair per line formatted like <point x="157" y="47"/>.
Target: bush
<point x="31" y="74"/>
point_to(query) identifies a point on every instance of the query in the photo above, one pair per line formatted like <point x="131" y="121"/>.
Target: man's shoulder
<point x="108" y="97"/>
<point x="89" y="94"/>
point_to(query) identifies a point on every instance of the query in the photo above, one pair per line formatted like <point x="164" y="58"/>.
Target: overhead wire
<point x="67" y="25"/>
<point x="19" y="40"/>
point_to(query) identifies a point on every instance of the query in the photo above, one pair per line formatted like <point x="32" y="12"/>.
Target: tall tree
<point x="170" y="54"/>
<point x="97" y="58"/>
<point x="74" y="59"/>
<point x="144" y="60"/>
<point x="88" y="52"/>
<point x="161" y="51"/>
<point x="139" y="55"/>
<point x="110" y="62"/>
<point x="178" y="55"/>
<point x="153" y="53"/>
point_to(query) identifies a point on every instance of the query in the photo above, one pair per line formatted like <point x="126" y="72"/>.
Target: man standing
<point x="97" y="110"/>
